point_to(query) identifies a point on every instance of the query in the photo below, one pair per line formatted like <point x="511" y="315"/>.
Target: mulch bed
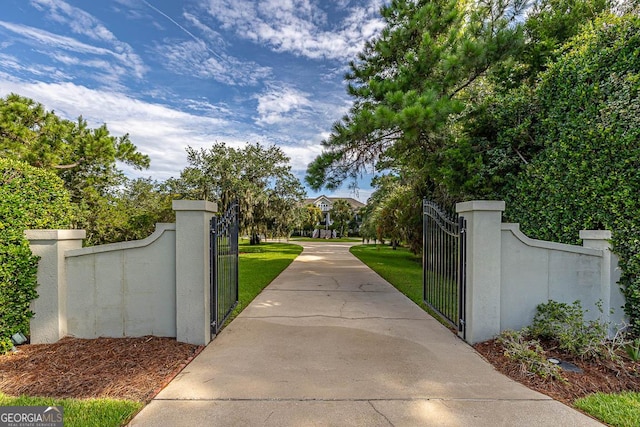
<point x="600" y="376"/>
<point x="122" y="368"/>
<point x="138" y="368"/>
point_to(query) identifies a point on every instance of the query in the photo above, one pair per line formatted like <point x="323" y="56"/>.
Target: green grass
<point x="82" y="412"/>
<point x="258" y="266"/>
<point x="618" y="410"/>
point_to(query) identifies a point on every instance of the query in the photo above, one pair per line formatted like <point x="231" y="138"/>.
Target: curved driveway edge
<point x="331" y="343"/>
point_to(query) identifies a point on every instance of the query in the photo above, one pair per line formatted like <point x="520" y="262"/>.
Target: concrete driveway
<point x="330" y="343"/>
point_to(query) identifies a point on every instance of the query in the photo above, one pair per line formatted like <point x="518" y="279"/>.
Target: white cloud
<point x="158" y="130"/>
<point x="211" y="35"/>
<point x="281" y="103"/>
<point x="61" y="48"/>
<point x="81" y="22"/>
<point x="195" y="58"/>
<point x="299" y="26"/>
<point x="54" y="40"/>
<point x="301" y="156"/>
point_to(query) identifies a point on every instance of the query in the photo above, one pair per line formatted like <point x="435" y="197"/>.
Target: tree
<point x="341" y="214"/>
<point x="284" y="208"/>
<point x="258" y="177"/>
<point x="130" y="212"/>
<point x="311" y="215"/>
<point x="498" y="131"/>
<point x="84" y="158"/>
<point x="409" y="84"/>
<point x="393" y="212"/>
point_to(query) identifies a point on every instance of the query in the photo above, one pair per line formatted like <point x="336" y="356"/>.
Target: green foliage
<point x="529" y="353"/>
<point x="84" y="158"/>
<point x="410" y="84"/>
<point x="30" y="198"/>
<point x="310" y="216"/>
<point x="259" y="177"/>
<point x="550" y="23"/>
<point x="632" y="349"/>
<point x="30" y="133"/>
<point x="341" y="214"/>
<point x="566" y="325"/>
<point x="393" y="212"/>
<point x="82" y="412"/>
<point x="616" y="410"/>
<point x="587" y="176"/>
<point x="127" y="213"/>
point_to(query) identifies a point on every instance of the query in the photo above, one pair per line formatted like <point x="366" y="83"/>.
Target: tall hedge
<point x="588" y="174"/>
<point x="30" y="198"/>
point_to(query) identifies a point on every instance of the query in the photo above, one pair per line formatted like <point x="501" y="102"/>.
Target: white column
<point x="193" y="311"/>
<point x="484" y="247"/>
<point x="49" y="324"/>
<point x="610" y="293"/>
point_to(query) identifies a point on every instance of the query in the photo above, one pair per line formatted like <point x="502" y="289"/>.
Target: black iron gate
<point x="444" y="263"/>
<point x="223" y="243"/>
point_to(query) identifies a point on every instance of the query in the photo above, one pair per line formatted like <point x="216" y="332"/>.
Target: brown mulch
<point x="597" y="376"/>
<point x="122" y="368"/>
<point x="138" y="368"/>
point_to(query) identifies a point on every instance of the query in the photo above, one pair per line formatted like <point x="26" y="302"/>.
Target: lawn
<point x="619" y="410"/>
<point x="82" y="412"/>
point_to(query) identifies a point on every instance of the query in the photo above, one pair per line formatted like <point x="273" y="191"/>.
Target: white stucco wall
<point x="535" y="271"/>
<point x="123" y="289"/>
<point x="508" y="274"/>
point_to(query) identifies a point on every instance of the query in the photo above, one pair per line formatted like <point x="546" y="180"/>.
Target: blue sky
<point x="193" y="72"/>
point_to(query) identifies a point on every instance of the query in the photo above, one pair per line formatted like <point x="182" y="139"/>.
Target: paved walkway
<point x="330" y="343"/>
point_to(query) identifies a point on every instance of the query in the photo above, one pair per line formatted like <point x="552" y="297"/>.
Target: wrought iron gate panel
<point x="444" y="263"/>
<point x="223" y="241"/>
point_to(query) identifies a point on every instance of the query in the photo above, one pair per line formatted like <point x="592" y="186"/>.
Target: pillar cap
<point x="481" y="205"/>
<point x="195" y="205"/>
<point x="55" y="234"/>
<point x="595" y="234"/>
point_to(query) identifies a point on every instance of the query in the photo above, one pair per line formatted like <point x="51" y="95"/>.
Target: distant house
<point x="326" y="204"/>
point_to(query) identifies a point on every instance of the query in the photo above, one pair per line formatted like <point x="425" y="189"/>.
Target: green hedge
<point x="588" y="174"/>
<point x="30" y="198"/>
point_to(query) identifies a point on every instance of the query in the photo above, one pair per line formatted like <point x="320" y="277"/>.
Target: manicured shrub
<point x="30" y="198"/>
<point x="565" y="323"/>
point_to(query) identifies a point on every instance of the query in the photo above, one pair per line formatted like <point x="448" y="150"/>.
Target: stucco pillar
<point x="193" y="311"/>
<point x="49" y="324"/>
<point x="484" y="253"/>
<point x="610" y="293"/>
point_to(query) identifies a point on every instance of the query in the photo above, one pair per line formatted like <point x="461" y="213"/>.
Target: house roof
<point x="353" y="202"/>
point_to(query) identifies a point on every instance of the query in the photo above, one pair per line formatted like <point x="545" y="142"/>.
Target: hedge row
<point x="588" y="174"/>
<point x="30" y="198"/>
